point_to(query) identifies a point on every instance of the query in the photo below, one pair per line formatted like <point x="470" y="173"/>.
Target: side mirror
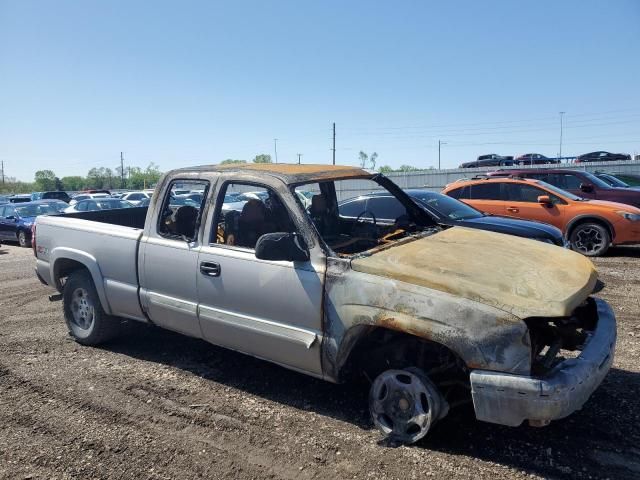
<point x="11" y="217"/>
<point x="586" y="187"/>
<point x="544" y="199"/>
<point x="281" y="246"/>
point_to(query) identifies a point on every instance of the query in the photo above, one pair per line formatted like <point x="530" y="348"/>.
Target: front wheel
<point x="404" y="404"/>
<point x="23" y="240"/>
<point x="590" y="239"/>
<point x="87" y="321"/>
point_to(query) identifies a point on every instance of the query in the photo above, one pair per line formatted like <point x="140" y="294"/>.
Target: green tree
<point x="147" y="178"/>
<point x="73" y="183"/>
<point x="385" y="169"/>
<point x="45" y="180"/>
<point x="368" y="161"/>
<point x="363" y="157"/>
<point x="407" y="168"/>
<point x="229" y="161"/>
<point x="262" y="158"/>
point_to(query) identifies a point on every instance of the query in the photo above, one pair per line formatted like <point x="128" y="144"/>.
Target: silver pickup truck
<point x="268" y="264"/>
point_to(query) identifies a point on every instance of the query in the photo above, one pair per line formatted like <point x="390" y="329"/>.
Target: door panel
<point x="168" y="261"/>
<point x="552" y="214"/>
<point x="495" y="207"/>
<point x="269" y="309"/>
<point x="168" y="284"/>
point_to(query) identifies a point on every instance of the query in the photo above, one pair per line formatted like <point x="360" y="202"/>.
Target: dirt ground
<point x="160" y="405"/>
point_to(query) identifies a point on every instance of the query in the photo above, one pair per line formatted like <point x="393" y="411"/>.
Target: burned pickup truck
<point x="430" y="315"/>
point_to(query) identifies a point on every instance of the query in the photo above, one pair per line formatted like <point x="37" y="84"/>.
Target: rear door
<point x="486" y="197"/>
<point x="269" y="309"/>
<point x="522" y="202"/>
<point x="168" y="261"/>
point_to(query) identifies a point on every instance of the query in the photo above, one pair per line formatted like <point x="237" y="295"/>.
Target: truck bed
<point x="126" y="217"/>
<point x="106" y="243"/>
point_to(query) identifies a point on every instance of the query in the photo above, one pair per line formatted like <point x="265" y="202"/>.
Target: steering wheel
<point x="375" y="223"/>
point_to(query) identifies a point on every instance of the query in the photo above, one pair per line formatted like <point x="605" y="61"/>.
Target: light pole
<point x="440" y="143"/>
<point x="275" y="148"/>
<point x="560" y="154"/>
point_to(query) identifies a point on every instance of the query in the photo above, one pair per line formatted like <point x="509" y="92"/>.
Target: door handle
<point x="211" y="269"/>
<point x="513" y="209"/>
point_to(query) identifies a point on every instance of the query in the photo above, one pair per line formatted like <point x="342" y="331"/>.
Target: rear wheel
<point x="23" y="240"/>
<point x="404" y="404"/>
<point x="83" y="312"/>
<point x="590" y="239"/>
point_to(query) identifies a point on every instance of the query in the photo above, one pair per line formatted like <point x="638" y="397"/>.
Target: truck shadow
<point x="600" y="441"/>
<point x="632" y="251"/>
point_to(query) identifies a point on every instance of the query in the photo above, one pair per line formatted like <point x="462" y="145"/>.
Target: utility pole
<point x="2" y="163"/>
<point x="275" y="148"/>
<point x="560" y="154"/>
<point x="440" y="143"/>
<point x="334" y="143"/>
<point x="121" y="170"/>
<point x="299" y="155"/>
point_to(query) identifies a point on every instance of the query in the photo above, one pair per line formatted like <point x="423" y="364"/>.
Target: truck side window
<point x="180" y="216"/>
<point x="248" y="212"/>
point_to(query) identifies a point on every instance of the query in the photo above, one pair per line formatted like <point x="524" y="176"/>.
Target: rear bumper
<point x="510" y="399"/>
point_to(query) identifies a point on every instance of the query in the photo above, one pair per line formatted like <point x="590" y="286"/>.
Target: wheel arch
<point x="360" y="343"/>
<point x="580" y="219"/>
<point x="64" y="261"/>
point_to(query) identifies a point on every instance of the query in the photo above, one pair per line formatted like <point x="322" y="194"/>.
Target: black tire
<point x="86" y="320"/>
<point x="23" y="240"/>
<point x="590" y="239"/>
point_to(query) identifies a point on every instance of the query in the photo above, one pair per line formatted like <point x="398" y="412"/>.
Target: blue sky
<point x="192" y="82"/>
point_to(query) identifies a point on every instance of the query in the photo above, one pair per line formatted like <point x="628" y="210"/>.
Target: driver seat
<point x="326" y="223"/>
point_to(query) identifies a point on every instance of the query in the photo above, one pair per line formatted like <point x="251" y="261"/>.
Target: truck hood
<point x="523" y="277"/>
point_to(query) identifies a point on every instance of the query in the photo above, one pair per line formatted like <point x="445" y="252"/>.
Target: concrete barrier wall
<point x="436" y="180"/>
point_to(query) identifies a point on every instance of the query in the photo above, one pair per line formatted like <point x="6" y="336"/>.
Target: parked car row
<point x="495" y="160"/>
<point x="591" y="214"/>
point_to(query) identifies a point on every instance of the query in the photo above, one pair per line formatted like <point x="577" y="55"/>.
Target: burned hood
<point x="523" y="277"/>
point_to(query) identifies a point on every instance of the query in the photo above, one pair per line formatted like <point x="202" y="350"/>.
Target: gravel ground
<point x="160" y="405"/>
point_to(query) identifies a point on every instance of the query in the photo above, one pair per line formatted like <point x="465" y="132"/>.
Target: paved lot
<point x="159" y="405"/>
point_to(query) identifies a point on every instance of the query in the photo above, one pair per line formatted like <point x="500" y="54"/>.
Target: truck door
<point x="269" y="309"/>
<point x="168" y="260"/>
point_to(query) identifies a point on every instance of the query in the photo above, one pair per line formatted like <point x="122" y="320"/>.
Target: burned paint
<point x="357" y="302"/>
<point x="524" y="278"/>
<point x="288" y="172"/>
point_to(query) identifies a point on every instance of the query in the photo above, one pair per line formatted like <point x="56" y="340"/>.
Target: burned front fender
<point x="482" y="336"/>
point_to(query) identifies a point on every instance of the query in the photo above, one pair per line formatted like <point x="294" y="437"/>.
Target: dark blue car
<point x="16" y="219"/>
<point x="448" y="211"/>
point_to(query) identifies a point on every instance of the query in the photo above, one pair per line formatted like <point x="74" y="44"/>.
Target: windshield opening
<point x="356" y="215"/>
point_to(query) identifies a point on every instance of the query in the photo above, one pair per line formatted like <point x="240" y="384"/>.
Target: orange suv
<point x="590" y="226"/>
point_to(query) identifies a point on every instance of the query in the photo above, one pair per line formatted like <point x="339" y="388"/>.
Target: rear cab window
<point x="179" y="219"/>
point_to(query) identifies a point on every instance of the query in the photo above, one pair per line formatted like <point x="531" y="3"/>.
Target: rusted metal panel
<point x="289" y="173"/>
<point x="481" y="335"/>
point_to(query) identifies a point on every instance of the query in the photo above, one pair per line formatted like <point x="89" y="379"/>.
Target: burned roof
<point x="287" y="172"/>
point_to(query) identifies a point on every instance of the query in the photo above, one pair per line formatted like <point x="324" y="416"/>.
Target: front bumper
<point x="510" y="399"/>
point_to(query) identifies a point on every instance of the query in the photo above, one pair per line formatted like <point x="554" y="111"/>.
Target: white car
<point x="86" y="196"/>
<point x="94" y="204"/>
<point x="135" y="197"/>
